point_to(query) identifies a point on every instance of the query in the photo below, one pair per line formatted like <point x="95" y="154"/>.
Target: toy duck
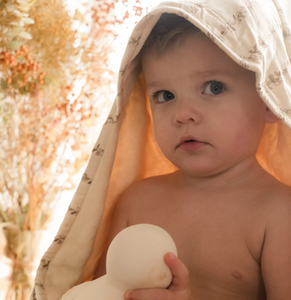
<point x="135" y="260"/>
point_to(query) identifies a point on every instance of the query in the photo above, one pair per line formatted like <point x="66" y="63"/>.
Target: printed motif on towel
<point x="262" y="42"/>
<point x="286" y="111"/>
<point x="86" y="178"/>
<point x="39" y="285"/>
<point x="98" y="151"/>
<point x="59" y="239"/>
<point x="123" y="70"/>
<point x="74" y="211"/>
<point x="237" y="19"/>
<point x="192" y="8"/>
<point x="255" y="54"/>
<point x="277" y="77"/>
<point x="33" y="295"/>
<point x="44" y="264"/>
<point x="134" y="41"/>
<point x="111" y="120"/>
<point x="243" y="63"/>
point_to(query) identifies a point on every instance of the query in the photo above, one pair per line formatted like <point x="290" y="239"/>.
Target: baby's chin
<point x="197" y="172"/>
<point x="200" y="172"/>
<point x="204" y="165"/>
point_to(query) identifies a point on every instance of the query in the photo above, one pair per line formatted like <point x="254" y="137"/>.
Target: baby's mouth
<point x="191" y="145"/>
<point x="188" y="139"/>
<point x="191" y="142"/>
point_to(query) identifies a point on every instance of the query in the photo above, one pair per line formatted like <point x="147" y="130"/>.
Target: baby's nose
<point x="185" y="112"/>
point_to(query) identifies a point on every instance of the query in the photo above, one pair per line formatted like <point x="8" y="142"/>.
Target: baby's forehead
<point x="195" y="57"/>
<point x="192" y="45"/>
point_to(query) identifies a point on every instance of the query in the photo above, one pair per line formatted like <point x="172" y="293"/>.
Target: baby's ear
<point x="270" y="117"/>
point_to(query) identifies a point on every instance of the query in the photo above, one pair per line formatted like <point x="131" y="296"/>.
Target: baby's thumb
<point x="180" y="273"/>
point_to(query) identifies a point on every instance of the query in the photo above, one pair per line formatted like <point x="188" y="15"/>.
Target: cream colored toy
<point x="135" y="260"/>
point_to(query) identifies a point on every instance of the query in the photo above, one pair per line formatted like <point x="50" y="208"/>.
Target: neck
<point x="244" y="173"/>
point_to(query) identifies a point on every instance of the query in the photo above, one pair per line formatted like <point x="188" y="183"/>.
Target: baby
<point x="230" y="219"/>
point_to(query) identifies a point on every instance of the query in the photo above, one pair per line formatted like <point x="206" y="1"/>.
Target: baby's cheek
<point x="244" y="141"/>
<point x="163" y="135"/>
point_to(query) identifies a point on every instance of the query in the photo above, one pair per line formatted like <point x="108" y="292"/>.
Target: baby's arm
<point x="119" y="222"/>
<point x="276" y="254"/>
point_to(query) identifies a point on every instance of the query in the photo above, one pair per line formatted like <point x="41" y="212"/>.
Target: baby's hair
<point x="167" y="33"/>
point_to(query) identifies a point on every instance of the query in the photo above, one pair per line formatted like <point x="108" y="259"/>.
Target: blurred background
<point x="59" y="61"/>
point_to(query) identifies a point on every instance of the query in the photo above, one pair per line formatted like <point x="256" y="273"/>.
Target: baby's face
<point x="198" y="90"/>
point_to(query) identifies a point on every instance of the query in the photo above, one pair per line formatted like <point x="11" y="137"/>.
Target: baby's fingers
<point x="148" y="294"/>
<point x="178" y="290"/>
<point x="180" y="273"/>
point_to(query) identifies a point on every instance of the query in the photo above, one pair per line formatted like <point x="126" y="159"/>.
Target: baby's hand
<point x="178" y="290"/>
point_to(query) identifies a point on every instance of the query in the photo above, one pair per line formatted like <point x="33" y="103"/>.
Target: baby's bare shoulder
<point x="146" y="186"/>
<point x="142" y="195"/>
<point x="276" y="189"/>
<point x="278" y="196"/>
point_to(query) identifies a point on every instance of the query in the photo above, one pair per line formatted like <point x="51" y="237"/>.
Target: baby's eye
<point x="214" y="87"/>
<point x="163" y="96"/>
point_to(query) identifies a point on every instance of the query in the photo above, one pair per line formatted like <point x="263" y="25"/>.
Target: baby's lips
<point x="185" y="138"/>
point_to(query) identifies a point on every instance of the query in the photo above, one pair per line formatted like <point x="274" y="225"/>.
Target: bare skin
<point x="219" y="233"/>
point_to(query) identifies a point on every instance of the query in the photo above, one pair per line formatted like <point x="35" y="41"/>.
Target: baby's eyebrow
<point x="211" y="73"/>
<point x="207" y="73"/>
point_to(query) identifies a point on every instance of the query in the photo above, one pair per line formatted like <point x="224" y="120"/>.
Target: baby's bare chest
<point x="221" y="246"/>
<point x="221" y="263"/>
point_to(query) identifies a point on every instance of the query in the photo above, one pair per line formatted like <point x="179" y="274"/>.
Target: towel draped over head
<point x="256" y="35"/>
